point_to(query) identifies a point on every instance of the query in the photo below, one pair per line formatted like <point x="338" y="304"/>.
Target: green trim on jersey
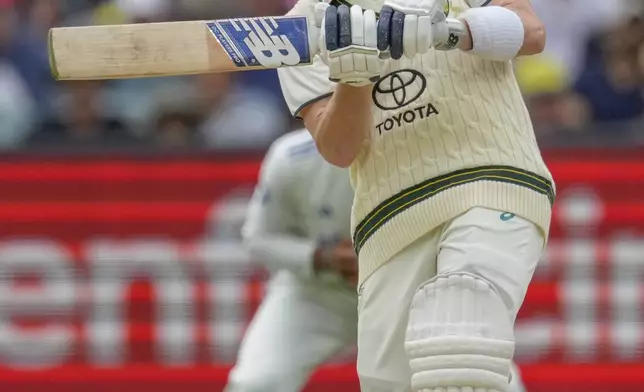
<point x="426" y="189"/>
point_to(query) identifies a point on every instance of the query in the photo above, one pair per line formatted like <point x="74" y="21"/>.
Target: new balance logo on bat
<point x="267" y="42"/>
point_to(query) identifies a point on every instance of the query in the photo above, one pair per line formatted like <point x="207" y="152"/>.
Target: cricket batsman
<point x="298" y="223"/>
<point x="452" y="201"/>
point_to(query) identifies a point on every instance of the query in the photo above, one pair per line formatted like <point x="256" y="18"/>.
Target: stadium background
<point x="121" y="202"/>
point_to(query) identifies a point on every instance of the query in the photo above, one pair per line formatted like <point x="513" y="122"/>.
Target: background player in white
<point x="452" y="198"/>
<point x="298" y="223"/>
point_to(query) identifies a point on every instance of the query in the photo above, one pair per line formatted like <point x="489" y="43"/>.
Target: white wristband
<point x="497" y="32"/>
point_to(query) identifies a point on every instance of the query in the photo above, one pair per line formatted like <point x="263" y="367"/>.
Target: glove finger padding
<point x="412" y="27"/>
<point x="357" y="38"/>
<point x="410" y="36"/>
<point x="331" y="29"/>
<point x="407" y="34"/>
<point x="319" y="13"/>
<point x="397" y="48"/>
<point x="357" y="20"/>
<point x="348" y="43"/>
<point x="344" y="39"/>
<point x="371" y="40"/>
<point x="344" y="26"/>
<point x="384" y="28"/>
<point x="425" y="39"/>
<point x="316" y="27"/>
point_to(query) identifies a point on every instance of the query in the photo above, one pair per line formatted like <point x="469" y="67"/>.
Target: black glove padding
<point x="337" y="27"/>
<point x="351" y="58"/>
<point x="390" y="32"/>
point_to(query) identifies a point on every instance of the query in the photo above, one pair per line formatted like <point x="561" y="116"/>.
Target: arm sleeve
<point x="269" y="230"/>
<point x="305" y="85"/>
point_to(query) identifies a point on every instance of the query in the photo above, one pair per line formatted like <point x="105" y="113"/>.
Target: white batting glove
<point x="315" y="25"/>
<point x="348" y="45"/>
<point x="423" y="24"/>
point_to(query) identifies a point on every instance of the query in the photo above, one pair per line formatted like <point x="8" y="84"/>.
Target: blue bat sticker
<point x="266" y="41"/>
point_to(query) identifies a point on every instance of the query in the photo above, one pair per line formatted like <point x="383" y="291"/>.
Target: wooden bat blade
<point x="178" y="48"/>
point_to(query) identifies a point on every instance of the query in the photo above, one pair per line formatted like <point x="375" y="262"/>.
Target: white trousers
<point x="299" y="326"/>
<point x="500" y="248"/>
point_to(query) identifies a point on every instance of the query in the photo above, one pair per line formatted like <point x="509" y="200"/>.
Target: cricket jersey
<point x="450" y="132"/>
<point x="301" y="202"/>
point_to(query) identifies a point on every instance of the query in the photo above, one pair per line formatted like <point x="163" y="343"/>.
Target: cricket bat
<point x="178" y="48"/>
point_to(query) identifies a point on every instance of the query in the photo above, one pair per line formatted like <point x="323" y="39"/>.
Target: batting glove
<point x="315" y="25"/>
<point x="411" y="27"/>
<point x="348" y="45"/>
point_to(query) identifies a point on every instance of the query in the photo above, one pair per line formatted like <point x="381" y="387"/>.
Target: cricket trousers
<point x="501" y="248"/>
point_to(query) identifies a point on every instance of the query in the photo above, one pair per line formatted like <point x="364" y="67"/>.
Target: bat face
<point x="179" y="48"/>
<point x="267" y="42"/>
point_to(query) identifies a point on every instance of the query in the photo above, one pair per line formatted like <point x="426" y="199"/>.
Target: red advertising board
<point x="128" y="273"/>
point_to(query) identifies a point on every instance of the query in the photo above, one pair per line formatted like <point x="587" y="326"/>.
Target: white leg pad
<point x="459" y="337"/>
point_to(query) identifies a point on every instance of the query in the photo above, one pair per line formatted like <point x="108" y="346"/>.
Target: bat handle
<point x="457" y="27"/>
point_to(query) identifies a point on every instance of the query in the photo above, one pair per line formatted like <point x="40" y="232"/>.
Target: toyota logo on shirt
<point x="399" y="89"/>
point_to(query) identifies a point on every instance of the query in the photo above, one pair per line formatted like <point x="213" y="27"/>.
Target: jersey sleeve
<point x="269" y="231"/>
<point x="302" y="86"/>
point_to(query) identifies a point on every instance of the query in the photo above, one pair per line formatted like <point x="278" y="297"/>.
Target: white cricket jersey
<point x="450" y="132"/>
<point x="301" y="202"/>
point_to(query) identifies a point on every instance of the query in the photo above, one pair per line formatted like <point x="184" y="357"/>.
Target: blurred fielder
<point x="298" y="222"/>
<point x="452" y="198"/>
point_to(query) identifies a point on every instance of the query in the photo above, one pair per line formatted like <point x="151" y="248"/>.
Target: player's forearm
<point x="283" y="252"/>
<point x="340" y="125"/>
<point x="534" y="39"/>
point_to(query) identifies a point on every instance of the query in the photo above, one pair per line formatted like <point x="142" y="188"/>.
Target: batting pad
<point x="459" y="337"/>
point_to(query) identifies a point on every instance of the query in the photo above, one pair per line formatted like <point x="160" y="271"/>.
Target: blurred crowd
<point x="587" y="84"/>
